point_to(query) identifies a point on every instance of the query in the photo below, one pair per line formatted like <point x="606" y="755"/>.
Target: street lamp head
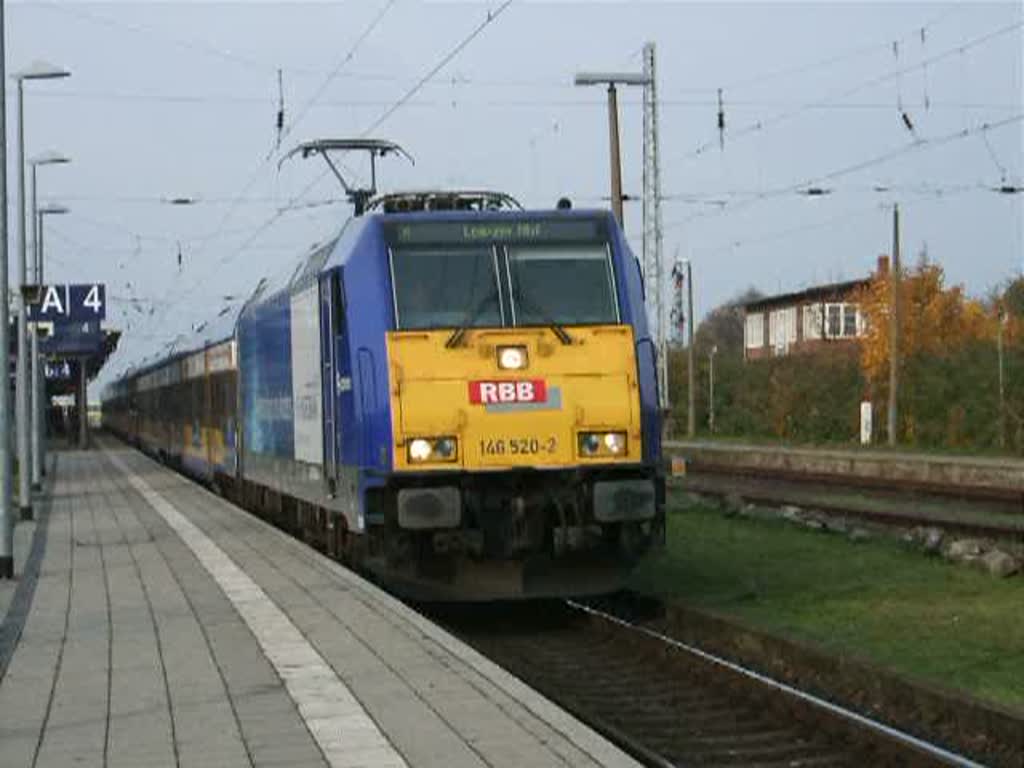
<point x="52" y="209"/>
<point x="49" y="158"/>
<point x="41" y="70"/>
<point x="611" y="78"/>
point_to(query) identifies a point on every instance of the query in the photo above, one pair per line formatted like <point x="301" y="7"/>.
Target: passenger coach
<point x="460" y="401"/>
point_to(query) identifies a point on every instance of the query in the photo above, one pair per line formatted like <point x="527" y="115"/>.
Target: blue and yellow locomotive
<point x="455" y="395"/>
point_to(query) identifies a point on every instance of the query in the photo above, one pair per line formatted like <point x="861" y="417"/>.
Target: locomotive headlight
<point x="420" y="449"/>
<point x="432" y="449"/>
<point x="602" y="444"/>
<point x="615" y="442"/>
<point x="444" y="448"/>
<point x="512" y="358"/>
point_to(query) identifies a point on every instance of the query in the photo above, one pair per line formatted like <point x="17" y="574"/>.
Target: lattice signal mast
<point x="652" y="239"/>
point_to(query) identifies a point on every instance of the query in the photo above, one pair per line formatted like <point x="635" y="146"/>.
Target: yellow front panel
<point x="589" y="385"/>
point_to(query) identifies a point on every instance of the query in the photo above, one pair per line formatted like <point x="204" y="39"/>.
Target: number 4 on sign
<point x="92" y="299"/>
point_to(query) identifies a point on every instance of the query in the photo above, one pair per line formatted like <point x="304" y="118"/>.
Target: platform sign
<point x="70" y="303"/>
<point x="73" y="340"/>
<point x="58" y="370"/>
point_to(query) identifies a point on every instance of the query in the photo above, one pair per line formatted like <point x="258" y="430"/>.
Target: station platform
<point x="155" y="624"/>
<point x="1001" y="477"/>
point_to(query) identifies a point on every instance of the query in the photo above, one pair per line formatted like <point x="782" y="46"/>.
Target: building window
<point x="812" y="321"/>
<point x="842" y="321"/>
<point x="754" y="331"/>
<point x="849" y="321"/>
<point x="782" y="329"/>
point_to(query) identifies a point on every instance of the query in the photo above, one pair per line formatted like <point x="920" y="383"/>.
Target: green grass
<point x="918" y="616"/>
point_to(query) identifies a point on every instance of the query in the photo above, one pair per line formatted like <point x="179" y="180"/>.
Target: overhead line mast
<point x="652" y="232"/>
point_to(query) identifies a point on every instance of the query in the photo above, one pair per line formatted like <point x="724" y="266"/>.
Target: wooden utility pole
<point x="691" y="368"/>
<point x="895" y="316"/>
<point x="1002" y="381"/>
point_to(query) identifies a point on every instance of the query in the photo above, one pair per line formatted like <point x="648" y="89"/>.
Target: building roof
<point x="814" y="293"/>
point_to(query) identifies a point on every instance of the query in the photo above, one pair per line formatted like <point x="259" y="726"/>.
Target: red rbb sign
<point x="496" y="392"/>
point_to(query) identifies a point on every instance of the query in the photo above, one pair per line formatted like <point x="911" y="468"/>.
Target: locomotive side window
<point x="571" y="284"/>
<point x="338" y="304"/>
<point x="446" y="287"/>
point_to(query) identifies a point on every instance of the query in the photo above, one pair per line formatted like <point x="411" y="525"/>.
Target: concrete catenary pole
<point x="611" y="79"/>
<point x="613" y="149"/>
<point x="895" y="317"/>
<point x="6" y="511"/>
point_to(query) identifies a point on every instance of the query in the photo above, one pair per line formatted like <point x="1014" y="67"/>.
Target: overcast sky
<point x="179" y="100"/>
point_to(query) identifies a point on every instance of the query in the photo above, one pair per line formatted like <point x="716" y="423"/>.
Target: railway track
<point x="668" y="703"/>
<point x="995" y="519"/>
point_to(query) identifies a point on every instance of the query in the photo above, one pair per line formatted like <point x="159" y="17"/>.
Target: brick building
<point x="806" y="320"/>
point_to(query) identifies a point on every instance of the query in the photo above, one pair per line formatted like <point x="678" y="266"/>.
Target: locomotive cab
<point x="524" y="450"/>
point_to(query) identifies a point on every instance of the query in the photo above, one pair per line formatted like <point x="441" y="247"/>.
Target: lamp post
<point x="6" y="511"/>
<point x="37" y="71"/>
<point x="39" y="390"/>
<point x="611" y="79"/>
<point x="39" y="381"/>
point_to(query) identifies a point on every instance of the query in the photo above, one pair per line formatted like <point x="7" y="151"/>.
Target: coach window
<point x="445" y="287"/>
<point x="562" y="284"/>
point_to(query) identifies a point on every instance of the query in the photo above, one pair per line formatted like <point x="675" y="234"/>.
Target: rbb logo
<point x="497" y="392"/>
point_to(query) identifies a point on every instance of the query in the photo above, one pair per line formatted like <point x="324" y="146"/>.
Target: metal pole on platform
<point x="38" y="377"/>
<point x="83" y="405"/>
<point x="20" y="383"/>
<point x="37" y="71"/>
<point x="6" y="510"/>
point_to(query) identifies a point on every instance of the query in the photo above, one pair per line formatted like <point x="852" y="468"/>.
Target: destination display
<point x="510" y="231"/>
<point x="73" y="339"/>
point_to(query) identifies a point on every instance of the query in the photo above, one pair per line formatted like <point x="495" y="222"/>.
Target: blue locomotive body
<point x="317" y="436"/>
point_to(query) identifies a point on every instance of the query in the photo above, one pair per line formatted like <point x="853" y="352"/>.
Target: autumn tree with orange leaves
<point x="948" y="358"/>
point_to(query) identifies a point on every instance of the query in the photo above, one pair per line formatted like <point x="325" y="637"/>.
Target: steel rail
<point x="889" y="519"/>
<point x="906" y="739"/>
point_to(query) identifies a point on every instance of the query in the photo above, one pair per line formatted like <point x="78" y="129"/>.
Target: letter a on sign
<point x="51" y="302"/>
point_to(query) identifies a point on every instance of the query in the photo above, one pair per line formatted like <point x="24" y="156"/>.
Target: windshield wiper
<point x="556" y="328"/>
<point x="456" y="338"/>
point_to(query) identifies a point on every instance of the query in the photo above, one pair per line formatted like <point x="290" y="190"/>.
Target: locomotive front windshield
<point x="493" y="286"/>
<point x="445" y="287"/>
<point x="562" y="284"/>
